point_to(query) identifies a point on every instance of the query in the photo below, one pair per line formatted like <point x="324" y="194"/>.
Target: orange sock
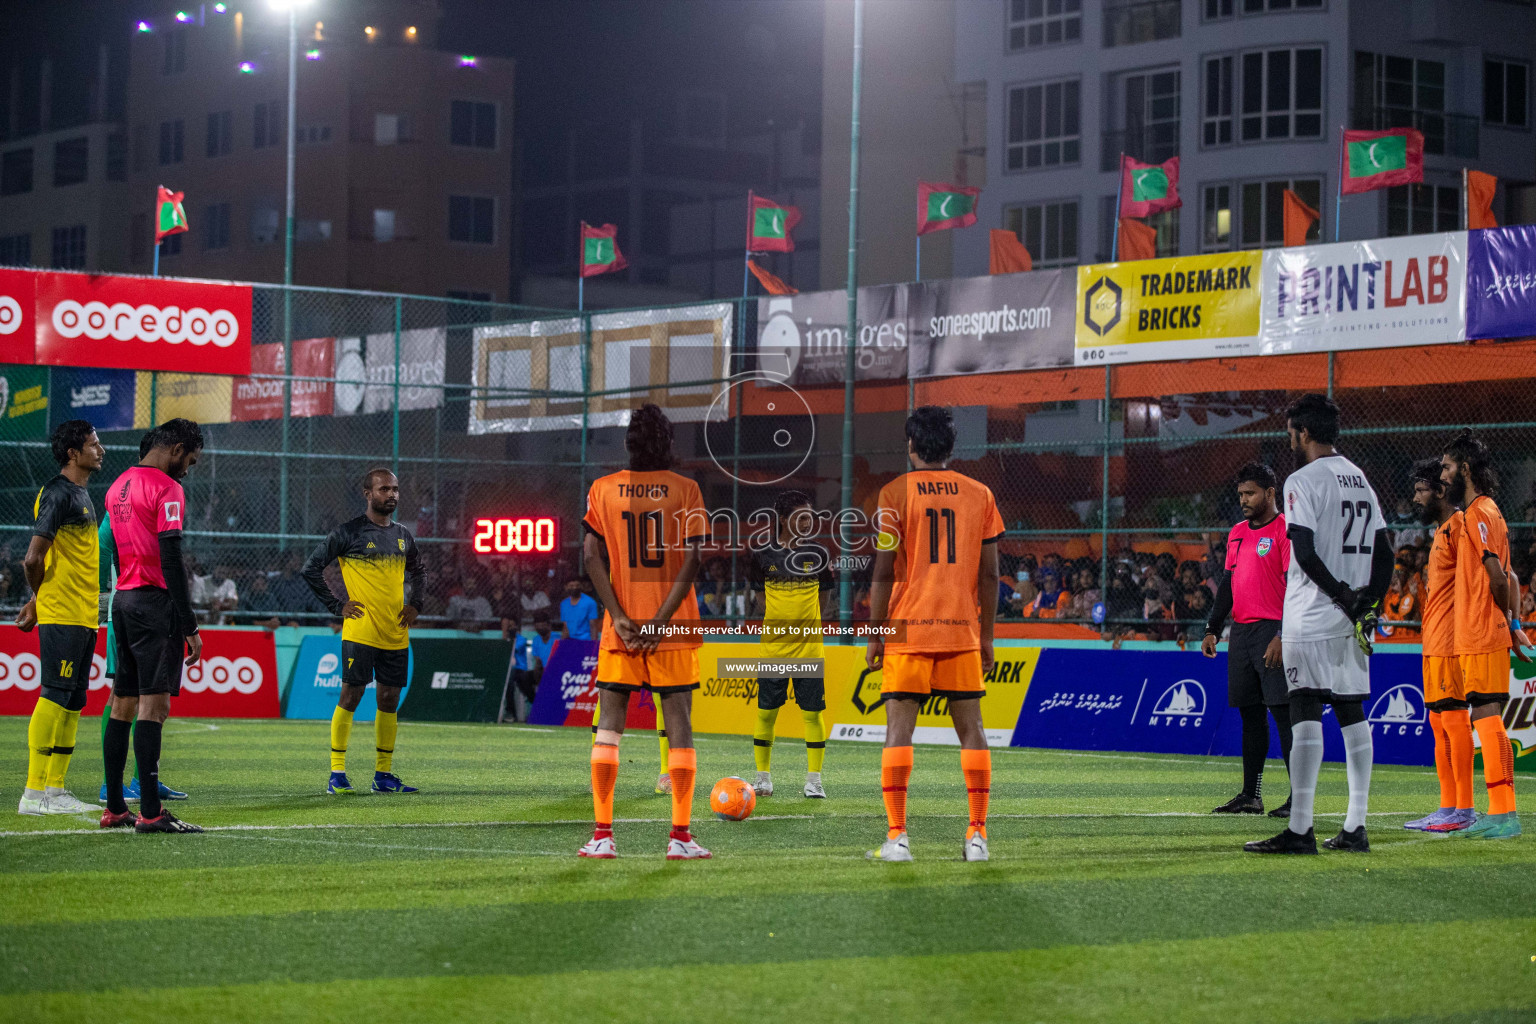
<point x="682" y="765"/>
<point x="977" y="768"/>
<point x="1498" y="764"/>
<point x="895" y="772"/>
<point x="1443" y="770"/>
<point x="605" y="772"/>
<point x="1458" y="738"/>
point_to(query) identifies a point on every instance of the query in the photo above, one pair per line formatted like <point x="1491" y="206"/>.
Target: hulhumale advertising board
<point x="993" y="324"/>
<point x="1501" y="282"/>
<point x="1377" y="294"/>
<point x="316" y="682"/>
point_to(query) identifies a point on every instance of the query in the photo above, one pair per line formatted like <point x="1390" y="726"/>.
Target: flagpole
<point x="581" y="265"/>
<point x="845" y="578"/>
<point x="156" y="271"/>
<point x="1114" y="238"/>
<point x="1466" y="202"/>
<point x="919" y="257"/>
<point x="1338" y="196"/>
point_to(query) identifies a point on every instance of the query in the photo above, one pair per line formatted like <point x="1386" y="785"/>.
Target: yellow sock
<point x="762" y="738"/>
<point x="63" y="748"/>
<point x="341" y="731"/>
<point x="40" y="733"/>
<point x="661" y="737"/>
<point x="815" y="739"/>
<point x="384" y="725"/>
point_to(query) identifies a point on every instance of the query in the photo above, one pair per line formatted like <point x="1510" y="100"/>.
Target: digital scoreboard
<point x="524" y="536"/>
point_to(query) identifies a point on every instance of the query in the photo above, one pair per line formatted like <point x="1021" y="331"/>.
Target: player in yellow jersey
<point x="61" y="566"/>
<point x="792" y="575"/>
<point x="383" y="576"/>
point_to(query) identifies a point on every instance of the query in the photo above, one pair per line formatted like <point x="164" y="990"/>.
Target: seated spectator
<point x="290" y="596"/>
<point x="580" y="616"/>
<point x="1157" y="613"/>
<point x="260" y="608"/>
<point x="1402" y="600"/>
<point x="1050" y="596"/>
<point x="1192" y="608"/>
<point x="1085" y="595"/>
<point x="215" y="592"/>
<point x="1122" y="605"/>
<point x="470" y="611"/>
<point x="532" y="600"/>
<point x="1007" y="598"/>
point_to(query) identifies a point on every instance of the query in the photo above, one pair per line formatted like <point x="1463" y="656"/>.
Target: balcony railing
<point x="1143" y="22"/>
<point x="1444" y="134"/>
<point x="1150" y="145"/>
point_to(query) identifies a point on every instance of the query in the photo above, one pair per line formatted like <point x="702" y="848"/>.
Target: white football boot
<point x="813" y="788"/>
<point x="975" y="848"/>
<point x="892" y="850"/>
<point x="764" y="784"/>
<point x="599" y="849"/>
<point x="691" y="850"/>
<point x="33" y="802"/>
<point x="62" y="801"/>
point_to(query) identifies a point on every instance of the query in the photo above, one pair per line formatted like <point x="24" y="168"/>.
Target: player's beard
<point x="1424" y="514"/>
<point x="1458" y="491"/>
<point x="383" y="508"/>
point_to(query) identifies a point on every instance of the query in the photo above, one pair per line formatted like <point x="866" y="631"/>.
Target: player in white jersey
<point x="1341" y="565"/>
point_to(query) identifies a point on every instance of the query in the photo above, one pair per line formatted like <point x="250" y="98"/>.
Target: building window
<point x="390" y="129"/>
<point x="1034" y="23"/>
<point x="472" y="124"/>
<point x="69" y="248"/>
<point x="1270" y="6"/>
<point x="312" y="231"/>
<point x="16" y="250"/>
<point x="117" y="157"/>
<point x="71" y="161"/>
<point x="1146" y="107"/>
<point x="1043" y="128"/>
<point x="171" y="133"/>
<point x="220" y="133"/>
<point x="472" y="219"/>
<point x="384" y="226"/>
<point x="263" y="224"/>
<point x="175" y="59"/>
<point x="1216" y="10"/>
<point x="1278" y="95"/>
<point x="16" y="172"/>
<point x="312" y="134"/>
<point x="1048" y="231"/>
<point x="1504" y="93"/>
<point x="1420" y="209"/>
<point x="1166" y="224"/>
<point x="1217" y="124"/>
<point x="1400" y="92"/>
<point x="1141" y="21"/>
<point x="266" y="125"/>
<point x="216" y="226"/>
<point x="1216" y="217"/>
<point x="1261" y="210"/>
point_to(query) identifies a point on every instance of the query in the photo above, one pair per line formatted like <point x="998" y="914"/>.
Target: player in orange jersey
<point x="937" y="554"/>
<point x="645" y="525"/>
<point x="1487" y="625"/>
<point x="1445" y="697"/>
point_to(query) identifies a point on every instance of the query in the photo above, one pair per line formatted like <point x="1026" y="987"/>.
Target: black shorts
<point x="150" y="646"/>
<point x="66" y="653"/>
<point x="362" y="664"/>
<point x="1249" y="680"/>
<point x="810" y="694"/>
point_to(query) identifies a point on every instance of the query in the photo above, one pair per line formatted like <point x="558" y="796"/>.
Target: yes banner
<point x="1189" y="307"/>
<point x="1377" y="294"/>
<point x="108" y="398"/>
<point x="23" y="403"/>
<point x="1501" y="282"/>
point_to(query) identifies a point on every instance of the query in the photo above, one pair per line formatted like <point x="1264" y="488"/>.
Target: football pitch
<point x="1110" y="896"/>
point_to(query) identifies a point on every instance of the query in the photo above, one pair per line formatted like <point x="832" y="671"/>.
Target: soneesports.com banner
<point x="1383" y="293"/>
<point x="1189" y="307"/>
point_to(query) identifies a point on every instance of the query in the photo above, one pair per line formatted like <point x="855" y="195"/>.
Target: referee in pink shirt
<point x="1252" y="592"/>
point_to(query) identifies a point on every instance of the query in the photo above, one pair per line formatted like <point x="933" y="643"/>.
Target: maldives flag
<point x="1375" y="160"/>
<point x="769" y="225"/>
<point x="600" y="250"/>
<point x="1146" y="189"/>
<point x="170" y="217"/>
<point x="940" y="206"/>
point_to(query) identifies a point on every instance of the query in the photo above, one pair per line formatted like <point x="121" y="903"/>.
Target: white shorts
<point x="1336" y="667"/>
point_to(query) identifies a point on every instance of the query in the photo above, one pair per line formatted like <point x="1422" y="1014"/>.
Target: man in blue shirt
<point x="530" y="654"/>
<point x="579" y="612"/>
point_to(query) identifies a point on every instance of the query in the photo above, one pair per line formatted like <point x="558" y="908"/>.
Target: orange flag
<point x="1480" y="188"/>
<point x="1008" y="254"/>
<point x="771" y="284"/>
<point x="1138" y="241"/>
<point x="1299" y="218"/>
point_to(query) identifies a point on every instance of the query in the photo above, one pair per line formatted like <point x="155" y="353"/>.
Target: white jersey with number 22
<point x="1330" y="497"/>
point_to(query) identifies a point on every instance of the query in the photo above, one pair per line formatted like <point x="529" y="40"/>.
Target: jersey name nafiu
<point x="63" y="514"/>
<point x="939" y="520"/>
<point x="1331" y="497"/>
<point x="646" y="521"/>
<point x="143" y="503"/>
<point x="1258" y="557"/>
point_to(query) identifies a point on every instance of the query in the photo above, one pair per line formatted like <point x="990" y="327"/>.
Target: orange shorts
<point x="1485" y="676"/>
<point x="1442" y="680"/>
<point x="657" y="671"/>
<point x="955" y="675"/>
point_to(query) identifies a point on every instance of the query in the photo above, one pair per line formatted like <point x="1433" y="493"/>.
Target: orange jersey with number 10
<point x="939" y="520"/>
<point x="646" y="522"/>
<point x="1481" y="625"/>
<point x="1436" y="601"/>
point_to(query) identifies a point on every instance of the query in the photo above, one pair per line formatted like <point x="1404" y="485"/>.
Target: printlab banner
<point x="1501" y="282"/>
<point x="1377" y="294"/>
<point x="993" y="324"/>
<point x="1189" y="307"/>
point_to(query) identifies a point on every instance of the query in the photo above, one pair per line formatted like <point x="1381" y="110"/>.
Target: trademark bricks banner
<point x="1381" y="293"/>
<point x="1190" y="307"/>
<point x="992" y="324"/>
<point x="136" y="323"/>
<point x="262" y="398"/>
<point x="1501" y="282"/>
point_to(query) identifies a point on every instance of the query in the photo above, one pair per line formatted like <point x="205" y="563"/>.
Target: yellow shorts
<point x="1485" y="677"/>
<point x="657" y="671"/>
<point x="955" y="675"/>
<point x="1442" y="680"/>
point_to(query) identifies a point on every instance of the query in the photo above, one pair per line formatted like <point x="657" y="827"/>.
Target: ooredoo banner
<point x="236" y="678"/>
<point x="18" y="300"/>
<point x="1501" y="282"/>
<point x="1189" y="307"/>
<point x="135" y="323"/>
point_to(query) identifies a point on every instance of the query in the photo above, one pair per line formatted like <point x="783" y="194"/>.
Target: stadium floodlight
<point x="467" y="61"/>
<point x="311" y="54"/>
<point x="183" y="17"/>
<point x="220" y="8"/>
<point x="144" y="26"/>
<point x="247" y="67"/>
<point x="286" y="6"/>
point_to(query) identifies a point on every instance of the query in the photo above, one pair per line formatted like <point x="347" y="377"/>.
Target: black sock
<point x="1282" y="716"/>
<point x="146" y="751"/>
<point x="114" y="756"/>
<point x="1255" y="748"/>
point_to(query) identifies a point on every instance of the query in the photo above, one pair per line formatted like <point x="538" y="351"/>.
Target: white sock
<point x="1357" y="764"/>
<point x="1306" y="762"/>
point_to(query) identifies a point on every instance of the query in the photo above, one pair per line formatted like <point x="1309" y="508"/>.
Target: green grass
<point x="1111" y="896"/>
